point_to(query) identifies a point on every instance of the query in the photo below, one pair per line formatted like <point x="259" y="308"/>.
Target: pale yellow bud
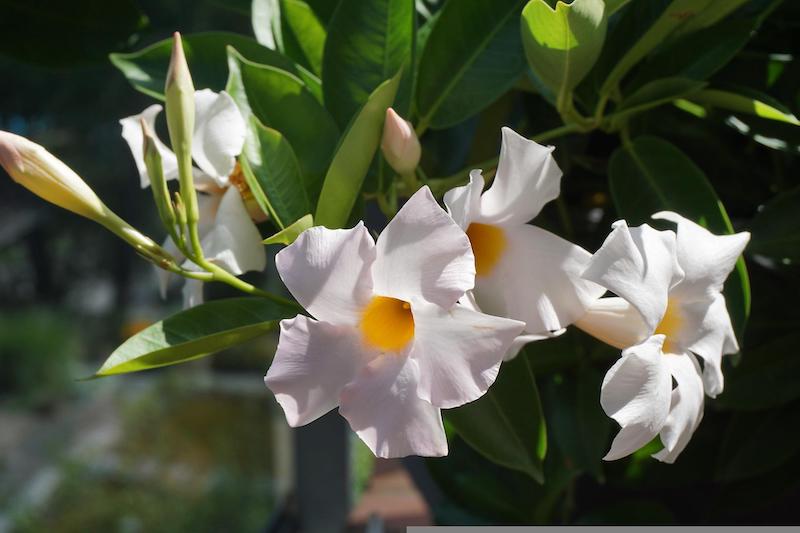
<point x="400" y="144"/>
<point x="46" y="176"/>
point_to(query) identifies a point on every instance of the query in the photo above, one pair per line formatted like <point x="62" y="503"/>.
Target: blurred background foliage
<point x="69" y="293"/>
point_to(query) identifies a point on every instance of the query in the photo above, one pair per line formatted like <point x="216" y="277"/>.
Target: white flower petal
<point x="313" y="363"/>
<point x="521" y="340"/>
<point x="527" y="178"/>
<point x="710" y="335"/>
<point x="219" y="133"/>
<point x="383" y="408"/>
<point x="615" y="322"/>
<point x="686" y="408"/>
<point x="705" y="258"/>
<point x="464" y="203"/>
<point x="636" y="393"/>
<point x="423" y="255"/>
<point x="132" y="133"/>
<point x="328" y="272"/>
<point x="192" y="293"/>
<point x="459" y="352"/>
<point x="164" y="276"/>
<point x="538" y="280"/>
<point x="234" y="242"/>
<point x="640" y="265"/>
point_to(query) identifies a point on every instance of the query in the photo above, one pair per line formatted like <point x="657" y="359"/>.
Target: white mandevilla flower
<point x="523" y="272"/>
<point x="228" y="234"/>
<point x="669" y="308"/>
<point x="388" y="344"/>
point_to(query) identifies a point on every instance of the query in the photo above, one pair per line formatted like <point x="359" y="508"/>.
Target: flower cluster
<point x="399" y="329"/>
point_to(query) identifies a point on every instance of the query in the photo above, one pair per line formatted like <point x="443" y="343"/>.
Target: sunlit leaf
<point x="288" y="235"/>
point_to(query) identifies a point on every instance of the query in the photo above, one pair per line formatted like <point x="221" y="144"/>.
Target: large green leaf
<point x="506" y="424"/>
<point x="195" y="333"/>
<point x="282" y="102"/>
<point x="562" y="44"/>
<point x="303" y="34"/>
<point x="61" y="33"/>
<point x="206" y="53"/>
<point x="651" y="175"/>
<point x="354" y="154"/>
<point x="473" y="55"/>
<point x="713" y="12"/>
<point x="745" y="101"/>
<point x="368" y="42"/>
<point x="678" y="13"/>
<point x="270" y="160"/>
<point x="767" y="377"/>
<point x="776" y="228"/>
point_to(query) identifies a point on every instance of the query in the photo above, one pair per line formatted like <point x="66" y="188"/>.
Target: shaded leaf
<point x="776" y="228"/>
<point x="656" y="93"/>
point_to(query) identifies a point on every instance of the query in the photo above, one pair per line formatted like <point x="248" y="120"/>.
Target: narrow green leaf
<point x="751" y="103"/>
<point x="288" y="235"/>
<point x="612" y="6"/>
<point x="195" y="333"/>
<point x="271" y="161"/>
<point x="656" y="93"/>
<point x="354" y="154"/>
<point x="776" y="228"/>
<point x="472" y="56"/>
<point x="282" y="102"/>
<point x="303" y="34"/>
<point x="767" y="377"/>
<point x="206" y="54"/>
<point x="714" y="11"/>
<point x="562" y="44"/>
<point x="506" y="425"/>
<point x="368" y="42"/>
<point x="677" y="14"/>
<point x="652" y="175"/>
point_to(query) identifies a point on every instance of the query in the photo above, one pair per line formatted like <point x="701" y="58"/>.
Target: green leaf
<point x="776" y="228"/>
<point x="656" y="93"/>
<point x="562" y="44"/>
<point x="288" y="235"/>
<point x="473" y="55"/>
<point x="59" y="34"/>
<point x="713" y="12"/>
<point x="677" y="14"/>
<point x="282" y="102"/>
<point x="146" y="69"/>
<point x="303" y="34"/>
<point x="756" y="443"/>
<point x="368" y="42"/>
<point x="271" y="161"/>
<point x="506" y="425"/>
<point x="612" y="6"/>
<point x="651" y="175"/>
<point x="751" y="103"/>
<point x="354" y="154"/>
<point x="195" y="333"/>
<point x="767" y="377"/>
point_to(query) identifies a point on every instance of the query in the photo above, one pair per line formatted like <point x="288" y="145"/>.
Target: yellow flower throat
<point x="387" y="323"/>
<point x="488" y="244"/>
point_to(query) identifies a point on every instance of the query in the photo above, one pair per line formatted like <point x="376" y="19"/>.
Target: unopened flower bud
<point x="155" y="170"/>
<point x="400" y="144"/>
<point x="42" y="173"/>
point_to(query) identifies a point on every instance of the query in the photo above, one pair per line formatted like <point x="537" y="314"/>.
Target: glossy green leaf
<point x="767" y="377"/>
<point x="506" y="425"/>
<point x="656" y="93"/>
<point x="751" y="103"/>
<point x="271" y="161"/>
<point x="562" y="44"/>
<point x="676" y="14"/>
<point x="776" y="228"/>
<point x="282" y="102"/>
<point x="195" y="333"/>
<point x="288" y="235"/>
<point x="756" y="443"/>
<point x="368" y="42"/>
<point x="303" y="34"/>
<point x="652" y="175"/>
<point x="206" y="54"/>
<point x="354" y="154"/>
<point x="612" y="6"/>
<point x="713" y="12"/>
<point x="472" y="56"/>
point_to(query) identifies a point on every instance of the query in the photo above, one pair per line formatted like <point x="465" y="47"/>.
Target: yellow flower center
<point x="670" y="324"/>
<point x="488" y="244"/>
<point x="238" y="180"/>
<point x="387" y="323"/>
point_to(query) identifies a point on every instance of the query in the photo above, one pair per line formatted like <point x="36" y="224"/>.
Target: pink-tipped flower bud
<point x="400" y="144"/>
